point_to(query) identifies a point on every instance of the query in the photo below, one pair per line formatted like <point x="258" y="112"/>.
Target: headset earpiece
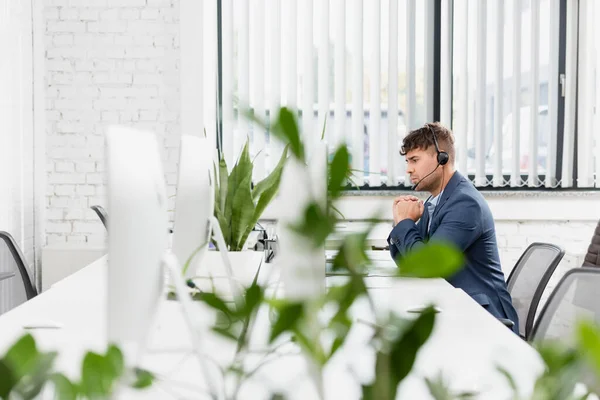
<point x="442" y="156"/>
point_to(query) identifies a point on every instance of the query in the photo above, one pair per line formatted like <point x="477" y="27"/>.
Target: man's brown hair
<point x="422" y="139"/>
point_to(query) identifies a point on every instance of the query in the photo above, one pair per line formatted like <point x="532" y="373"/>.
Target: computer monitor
<point x="137" y="234"/>
<point x="194" y="203"/>
<point x="302" y="265"/>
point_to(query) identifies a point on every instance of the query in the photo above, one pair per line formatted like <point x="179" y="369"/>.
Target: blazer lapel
<point x="424" y="222"/>
<point x="448" y="190"/>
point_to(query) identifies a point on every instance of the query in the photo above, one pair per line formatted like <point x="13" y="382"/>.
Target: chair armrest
<point x="507" y="322"/>
<point x="6" y="275"/>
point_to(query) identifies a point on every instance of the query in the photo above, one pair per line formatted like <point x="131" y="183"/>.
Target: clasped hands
<point x="407" y="207"/>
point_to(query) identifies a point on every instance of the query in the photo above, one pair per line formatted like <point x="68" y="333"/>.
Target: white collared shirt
<point x="431" y="208"/>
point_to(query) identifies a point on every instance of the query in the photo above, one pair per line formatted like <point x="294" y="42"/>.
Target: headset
<point x="442" y="156"/>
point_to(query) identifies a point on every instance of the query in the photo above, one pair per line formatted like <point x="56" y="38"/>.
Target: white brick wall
<point x="107" y="62"/>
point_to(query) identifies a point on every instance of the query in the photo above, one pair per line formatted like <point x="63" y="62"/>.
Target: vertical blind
<point x="366" y="72"/>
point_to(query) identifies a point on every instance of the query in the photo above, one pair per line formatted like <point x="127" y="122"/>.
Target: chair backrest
<point x="575" y="297"/>
<point x="528" y="279"/>
<point x="15" y="285"/>
<point x="592" y="257"/>
<point x="101" y="214"/>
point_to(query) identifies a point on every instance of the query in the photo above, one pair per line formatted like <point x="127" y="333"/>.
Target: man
<point x="455" y="212"/>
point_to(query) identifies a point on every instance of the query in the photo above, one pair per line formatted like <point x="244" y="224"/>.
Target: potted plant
<point x="238" y="203"/>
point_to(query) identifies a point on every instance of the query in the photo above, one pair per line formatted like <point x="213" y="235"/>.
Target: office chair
<point x="101" y="214"/>
<point x="15" y="284"/>
<point x="575" y="297"/>
<point x="592" y="257"/>
<point x="528" y="279"/>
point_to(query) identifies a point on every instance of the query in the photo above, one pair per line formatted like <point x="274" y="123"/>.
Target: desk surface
<point x="466" y="345"/>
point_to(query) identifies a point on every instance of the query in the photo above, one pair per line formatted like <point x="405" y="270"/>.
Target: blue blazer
<point x="463" y="218"/>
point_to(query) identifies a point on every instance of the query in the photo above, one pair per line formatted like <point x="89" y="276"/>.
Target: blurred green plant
<point x="572" y="369"/>
<point x="395" y="340"/>
<point x="25" y="371"/>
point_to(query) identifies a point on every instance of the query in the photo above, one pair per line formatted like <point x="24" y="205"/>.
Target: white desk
<point x="466" y="345"/>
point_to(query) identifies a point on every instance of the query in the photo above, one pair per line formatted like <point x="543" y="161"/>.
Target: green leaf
<point x="433" y="260"/>
<point x="36" y="379"/>
<point x="588" y="338"/>
<point x="223" y="181"/>
<point x="337" y="343"/>
<point x="409" y="338"/>
<point x="114" y="358"/>
<point x="352" y="254"/>
<point x="241" y="215"/>
<point x="288" y="316"/>
<point x="316" y="225"/>
<point x="324" y="127"/>
<point x="440" y="390"/>
<point x="511" y="381"/>
<point x="368" y="392"/>
<point x="240" y="173"/>
<point x="97" y="377"/>
<point x="217" y="189"/>
<point x="7" y="379"/>
<point x="63" y="387"/>
<point x="143" y="379"/>
<point x="268" y="190"/>
<point x="273" y="179"/>
<point x="253" y="298"/>
<point x="22" y="357"/>
<point x="286" y="129"/>
<point x="214" y="301"/>
<point x="226" y="332"/>
<point x="225" y="229"/>
<point x="337" y="211"/>
<point x="338" y="171"/>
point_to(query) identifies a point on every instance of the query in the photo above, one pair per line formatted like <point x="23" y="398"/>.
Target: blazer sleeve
<point x="460" y="225"/>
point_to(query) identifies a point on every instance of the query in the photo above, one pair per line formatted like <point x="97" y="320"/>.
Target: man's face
<point x="420" y="163"/>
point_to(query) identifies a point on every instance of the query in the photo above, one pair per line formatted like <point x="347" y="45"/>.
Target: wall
<point x="107" y="62"/>
<point x="17" y="193"/>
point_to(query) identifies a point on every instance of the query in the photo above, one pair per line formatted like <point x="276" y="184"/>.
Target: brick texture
<point x="107" y="62"/>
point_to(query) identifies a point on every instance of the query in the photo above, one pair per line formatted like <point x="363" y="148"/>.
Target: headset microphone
<point x="442" y="157"/>
<point x="414" y="187"/>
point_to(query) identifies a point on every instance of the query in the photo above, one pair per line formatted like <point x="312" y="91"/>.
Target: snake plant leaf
<point x="217" y="189"/>
<point x="241" y="173"/>
<point x="241" y="213"/>
<point x="223" y="178"/>
<point x="273" y="178"/>
<point x="267" y="190"/>
<point x="220" y="180"/>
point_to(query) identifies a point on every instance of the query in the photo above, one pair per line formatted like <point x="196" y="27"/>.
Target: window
<point x="503" y="75"/>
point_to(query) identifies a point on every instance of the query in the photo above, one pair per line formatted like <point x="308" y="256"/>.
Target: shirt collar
<point x="434" y="201"/>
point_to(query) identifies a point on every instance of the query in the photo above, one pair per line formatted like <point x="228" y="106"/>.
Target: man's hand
<point x="407" y="209"/>
<point x="405" y="198"/>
